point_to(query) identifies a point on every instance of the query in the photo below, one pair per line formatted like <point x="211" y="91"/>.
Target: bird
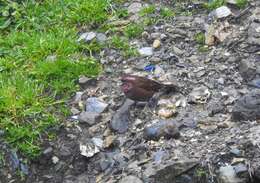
<point x="141" y="89"/>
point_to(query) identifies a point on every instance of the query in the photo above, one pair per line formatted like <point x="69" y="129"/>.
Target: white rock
<point x="55" y="159"/>
<point x="146" y="51"/>
<point x="222" y="12"/>
<point x="87" y="36"/>
<point x="228" y="175"/>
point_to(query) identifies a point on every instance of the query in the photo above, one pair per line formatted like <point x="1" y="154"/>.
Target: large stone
<point x="247" y="107"/>
<point x="90" y="118"/>
<point x="120" y="120"/>
<point x="168" y="171"/>
<point x="163" y="128"/>
<point x="227" y="174"/>
<point x="222" y="12"/>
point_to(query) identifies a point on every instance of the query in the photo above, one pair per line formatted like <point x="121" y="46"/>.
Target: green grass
<point x="122" y="44"/>
<point x="167" y="12"/>
<point x="214" y="4"/>
<point x="33" y="89"/>
<point x="241" y="3"/>
<point x="133" y="30"/>
<point x="199" y="38"/>
<point x="147" y="10"/>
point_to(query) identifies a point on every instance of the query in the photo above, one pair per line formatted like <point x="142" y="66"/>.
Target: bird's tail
<point x="168" y="88"/>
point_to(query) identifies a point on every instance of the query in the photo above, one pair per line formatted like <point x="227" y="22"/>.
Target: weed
<point x="133" y="30"/>
<point x="122" y="44"/>
<point x="167" y="12"/>
<point x="200" y="38"/>
<point x="241" y="3"/>
<point x="148" y="10"/>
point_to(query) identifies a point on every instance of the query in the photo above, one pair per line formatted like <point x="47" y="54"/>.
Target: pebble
<point x="156" y="43"/>
<point x="55" y="159"/>
<point x="102" y="38"/>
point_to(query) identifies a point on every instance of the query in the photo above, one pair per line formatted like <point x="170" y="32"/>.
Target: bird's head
<point x="126" y="87"/>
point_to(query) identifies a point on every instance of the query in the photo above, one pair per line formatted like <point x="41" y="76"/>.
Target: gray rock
<point x="134" y="8"/>
<point x="146" y="51"/>
<point x="120" y="121"/>
<point x="94" y="104"/>
<point x="168" y="171"/>
<point x="227" y="174"/>
<point x="90" y="118"/>
<point x="87" y="36"/>
<point x="247" y="70"/>
<point x="235" y="152"/>
<point x="255" y="83"/>
<point x="240" y="168"/>
<point x="247" y="107"/>
<point x="163" y="128"/>
<point x="130" y="179"/>
<point x="102" y="38"/>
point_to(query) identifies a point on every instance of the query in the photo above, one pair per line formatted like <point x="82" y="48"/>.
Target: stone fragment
<point x="247" y="107"/>
<point x="90" y="118"/>
<point x="240" y="168"/>
<point x="163" y="128"/>
<point x="87" y="36"/>
<point x="120" y="121"/>
<point x="94" y="104"/>
<point x="168" y="171"/>
<point x="166" y="113"/>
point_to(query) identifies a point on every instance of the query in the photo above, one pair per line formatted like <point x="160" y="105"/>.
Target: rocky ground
<point x="210" y="133"/>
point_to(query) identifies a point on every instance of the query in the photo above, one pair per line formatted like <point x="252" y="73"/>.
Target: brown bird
<point x="142" y="89"/>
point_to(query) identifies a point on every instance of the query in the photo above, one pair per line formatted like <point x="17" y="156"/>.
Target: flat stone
<point x="94" y="104"/>
<point x="146" y="51"/>
<point x="240" y="168"/>
<point x="90" y="118"/>
<point x="168" y="171"/>
<point x="130" y="179"/>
